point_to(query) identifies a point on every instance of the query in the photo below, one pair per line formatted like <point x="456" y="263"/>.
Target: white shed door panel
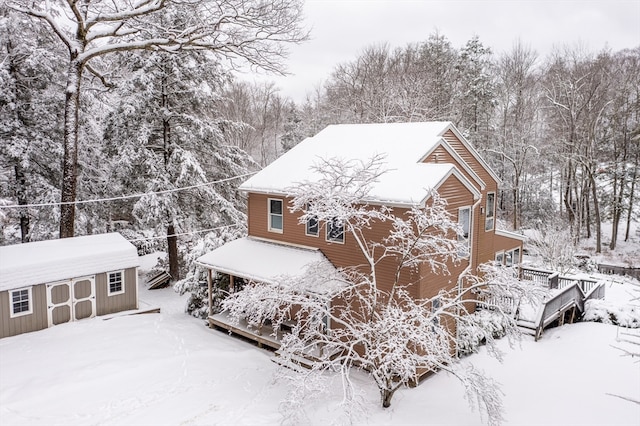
<point x="71" y="300"/>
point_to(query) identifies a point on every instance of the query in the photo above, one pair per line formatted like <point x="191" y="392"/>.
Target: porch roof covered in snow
<point x="265" y="261"/>
<point x="54" y="260"/>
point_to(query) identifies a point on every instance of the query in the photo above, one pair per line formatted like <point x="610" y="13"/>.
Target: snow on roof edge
<point x="41" y="262"/>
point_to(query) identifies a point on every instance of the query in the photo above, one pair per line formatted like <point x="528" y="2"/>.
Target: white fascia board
<point x="473" y="151"/>
<point x="510" y="234"/>
<point x="457" y="157"/>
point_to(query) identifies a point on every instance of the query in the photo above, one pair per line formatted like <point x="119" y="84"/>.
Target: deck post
<point x="210" y="287"/>
<point x="232" y="284"/>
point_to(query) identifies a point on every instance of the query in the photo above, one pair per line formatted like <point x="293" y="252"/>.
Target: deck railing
<point x="542" y="277"/>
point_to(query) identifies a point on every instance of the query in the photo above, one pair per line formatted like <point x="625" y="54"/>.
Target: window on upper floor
<point x="435" y="306"/>
<point x="275" y="215"/>
<point x="489" y="219"/>
<point x="312" y="225"/>
<point x="335" y="231"/>
<point x="20" y="302"/>
<point x="464" y="220"/>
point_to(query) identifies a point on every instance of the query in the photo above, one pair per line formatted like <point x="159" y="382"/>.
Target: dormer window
<point x="275" y="215"/>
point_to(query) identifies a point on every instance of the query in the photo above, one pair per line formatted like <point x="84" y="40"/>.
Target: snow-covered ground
<point x="169" y="369"/>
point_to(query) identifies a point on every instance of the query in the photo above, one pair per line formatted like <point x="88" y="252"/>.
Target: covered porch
<point x="252" y="259"/>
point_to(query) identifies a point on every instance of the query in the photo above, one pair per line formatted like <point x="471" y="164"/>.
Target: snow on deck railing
<point x="540" y="276"/>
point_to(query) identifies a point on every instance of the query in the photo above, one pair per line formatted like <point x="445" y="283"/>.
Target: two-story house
<point x="417" y="157"/>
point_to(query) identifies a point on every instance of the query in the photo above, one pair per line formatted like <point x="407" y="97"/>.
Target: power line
<point x="124" y="197"/>
<point x="185" y="233"/>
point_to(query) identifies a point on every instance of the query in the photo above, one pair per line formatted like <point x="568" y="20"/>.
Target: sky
<point x="341" y="29"/>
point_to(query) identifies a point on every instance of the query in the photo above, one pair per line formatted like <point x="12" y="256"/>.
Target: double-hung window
<point x="115" y="283"/>
<point x="435" y="306"/>
<point x="335" y="231"/>
<point x="312" y="226"/>
<point x="20" y="301"/>
<point x="464" y="220"/>
<point x="489" y="219"/>
<point x="275" y="215"/>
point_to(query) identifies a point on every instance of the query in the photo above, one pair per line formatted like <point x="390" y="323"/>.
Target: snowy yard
<point x="169" y="369"/>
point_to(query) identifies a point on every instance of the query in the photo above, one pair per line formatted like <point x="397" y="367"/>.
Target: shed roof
<point x="265" y="261"/>
<point x="403" y="145"/>
<point x="54" y="260"/>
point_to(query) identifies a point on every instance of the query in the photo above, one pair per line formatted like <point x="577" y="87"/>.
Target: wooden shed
<point x="46" y="283"/>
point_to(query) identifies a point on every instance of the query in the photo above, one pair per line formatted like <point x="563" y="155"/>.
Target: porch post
<point x="210" y="284"/>
<point x="232" y="284"/>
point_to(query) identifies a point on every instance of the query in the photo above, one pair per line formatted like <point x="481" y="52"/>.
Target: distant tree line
<point x="562" y="132"/>
<point x="158" y="113"/>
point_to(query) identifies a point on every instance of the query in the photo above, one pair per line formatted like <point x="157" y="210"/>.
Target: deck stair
<point x="565" y="303"/>
<point x="306" y="360"/>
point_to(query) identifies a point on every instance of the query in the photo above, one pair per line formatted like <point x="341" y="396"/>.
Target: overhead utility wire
<point x="124" y="197"/>
<point x="184" y="233"/>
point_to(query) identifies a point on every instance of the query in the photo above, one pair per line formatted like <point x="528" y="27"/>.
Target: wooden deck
<point x="264" y="336"/>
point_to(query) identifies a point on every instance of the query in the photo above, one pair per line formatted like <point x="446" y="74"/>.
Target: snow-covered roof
<point x="263" y="261"/>
<point x="403" y="145"/>
<point x="54" y="260"/>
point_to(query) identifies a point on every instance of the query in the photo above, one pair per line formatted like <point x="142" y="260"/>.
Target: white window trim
<point x="329" y="240"/>
<point x="269" y="227"/>
<point x="486" y="214"/>
<point x="115" y="293"/>
<point x="512" y="253"/>
<point x="500" y="253"/>
<point x="13" y="314"/>
<point x="306" y="228"/>
<point x="468" y="239"/>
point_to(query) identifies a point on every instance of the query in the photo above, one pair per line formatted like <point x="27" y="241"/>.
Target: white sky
<point x="341" y="29"/>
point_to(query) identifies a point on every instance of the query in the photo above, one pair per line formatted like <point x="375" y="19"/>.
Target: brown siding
<point x="37" y="320"/>
<point x="349" y="254"/>
<point x="441" y="156"/>
<point x="484" y="240"/>
<point x="502" y="243"/>
<point x="106" y="304"/>
<point x="457" y="195"/>
<point x="341" y="255"/>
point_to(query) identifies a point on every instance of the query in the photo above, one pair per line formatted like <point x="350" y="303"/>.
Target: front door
<point x="71" y="300"/>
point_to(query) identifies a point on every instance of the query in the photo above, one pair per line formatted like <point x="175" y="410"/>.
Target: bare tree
<point x="353" y="318"/>
<point x="253" y="31"/>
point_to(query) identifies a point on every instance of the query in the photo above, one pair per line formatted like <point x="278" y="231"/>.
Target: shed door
<point x="71" y="300"/>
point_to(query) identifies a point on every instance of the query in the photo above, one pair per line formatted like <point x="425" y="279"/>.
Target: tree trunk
<point x="618" y="194"/>
<point x="631" y="197"/>
<point x="386" y="397"/>
<point x="172" y="248"/>
<point x="596" y="209"/>
<point x="21" y="195"/>
<point x="70" y="159"/>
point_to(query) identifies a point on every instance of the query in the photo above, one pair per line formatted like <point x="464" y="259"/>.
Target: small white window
<point x="512" y="257"/>
<point x="20" y="301"/>
<point x="335" y="231"/>
<point x="516" y="256"/>
<point x="464" y="220"/>
<point x="115" y="283"/>
<point x="312" y="226"/>
<point x="275" y="215"/>
<point x="500" y="258"/>
<point x="435" y="305"/>
<point x="489" y="221"/>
